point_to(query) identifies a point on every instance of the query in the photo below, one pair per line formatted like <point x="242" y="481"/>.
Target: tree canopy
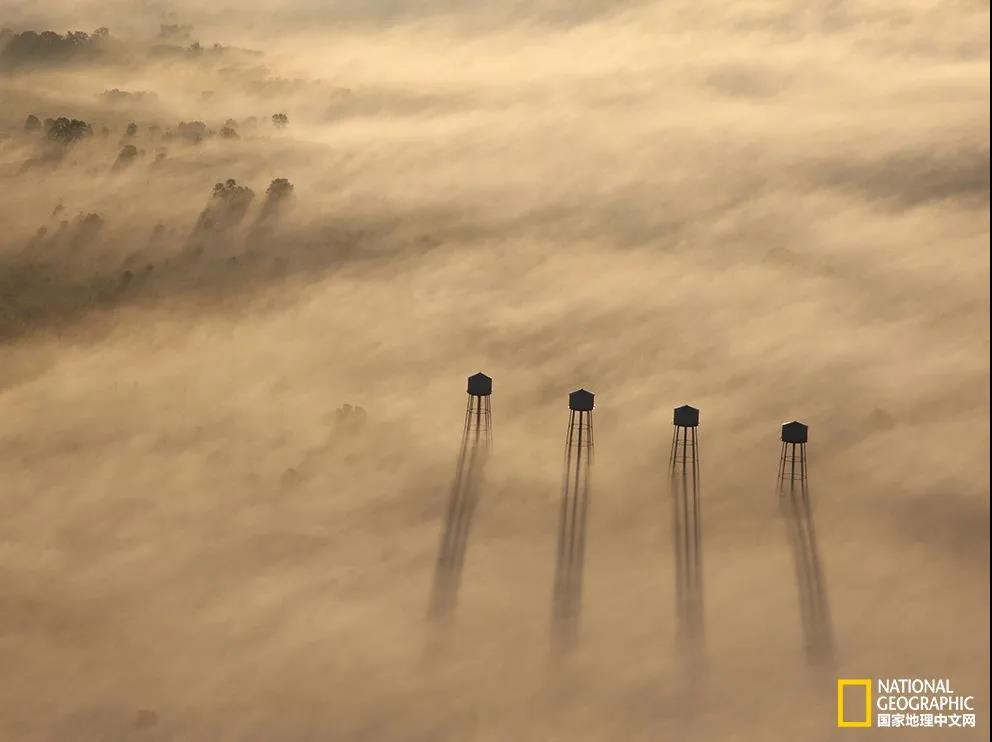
<point x="66" y="131"/>
<point x="30" y="47"/>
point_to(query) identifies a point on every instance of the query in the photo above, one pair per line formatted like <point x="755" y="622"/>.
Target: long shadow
<point x="567" y="599"/>
<point x="687" y="542"/>
<point x="814" y="605"/>
<point x="465" y="488"/>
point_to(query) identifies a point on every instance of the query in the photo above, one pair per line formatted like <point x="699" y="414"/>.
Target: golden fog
<point x="770" y="210"/>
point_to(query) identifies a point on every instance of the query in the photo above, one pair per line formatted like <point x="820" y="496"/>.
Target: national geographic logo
<point x="861" y="711"/>
<point x="902" y="702"/>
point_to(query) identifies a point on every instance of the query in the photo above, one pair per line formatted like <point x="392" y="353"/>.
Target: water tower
<point x="792" y="462"/>
<point x="580" y="404"/>
<point x="467" y="480"/>
<point x="794" y="499"/>
<point x="685" y="444"/>
<point x="687" y="525"/>
<point x="478" y="414"/>
<point x="567" y="598"/>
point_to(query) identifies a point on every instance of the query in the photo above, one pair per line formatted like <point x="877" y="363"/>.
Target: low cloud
<point x="232" y="366"/>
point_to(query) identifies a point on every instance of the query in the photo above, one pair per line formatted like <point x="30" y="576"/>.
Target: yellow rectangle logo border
<point x="844" y="683"/>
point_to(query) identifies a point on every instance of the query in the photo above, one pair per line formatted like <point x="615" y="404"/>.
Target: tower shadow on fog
<point x="475" y="447"/>
<point x="687" y="525"/>
<point x="794" y="501"/>
<point x="567" y="598"/>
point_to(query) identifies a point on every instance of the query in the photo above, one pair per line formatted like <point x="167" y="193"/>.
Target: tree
<point x="132" y="129"/>
<point x="127" y="155"/>
<point x="350" y="419"/>
<point x="174" y="31"/>
<point x="280" y="120"/>
<point x="226" y="208"/>
<point x="67" y="131"/>
<point x="31" y="123"/>
<point x="47" y="47"/>
<point x="116" y="95"/>
<point x="86" y="229"/>
<point x="231" y="192"/>
<point x="192" y="131"/>
<point x="279" y="188"/>
<point x="277" y="196"/>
